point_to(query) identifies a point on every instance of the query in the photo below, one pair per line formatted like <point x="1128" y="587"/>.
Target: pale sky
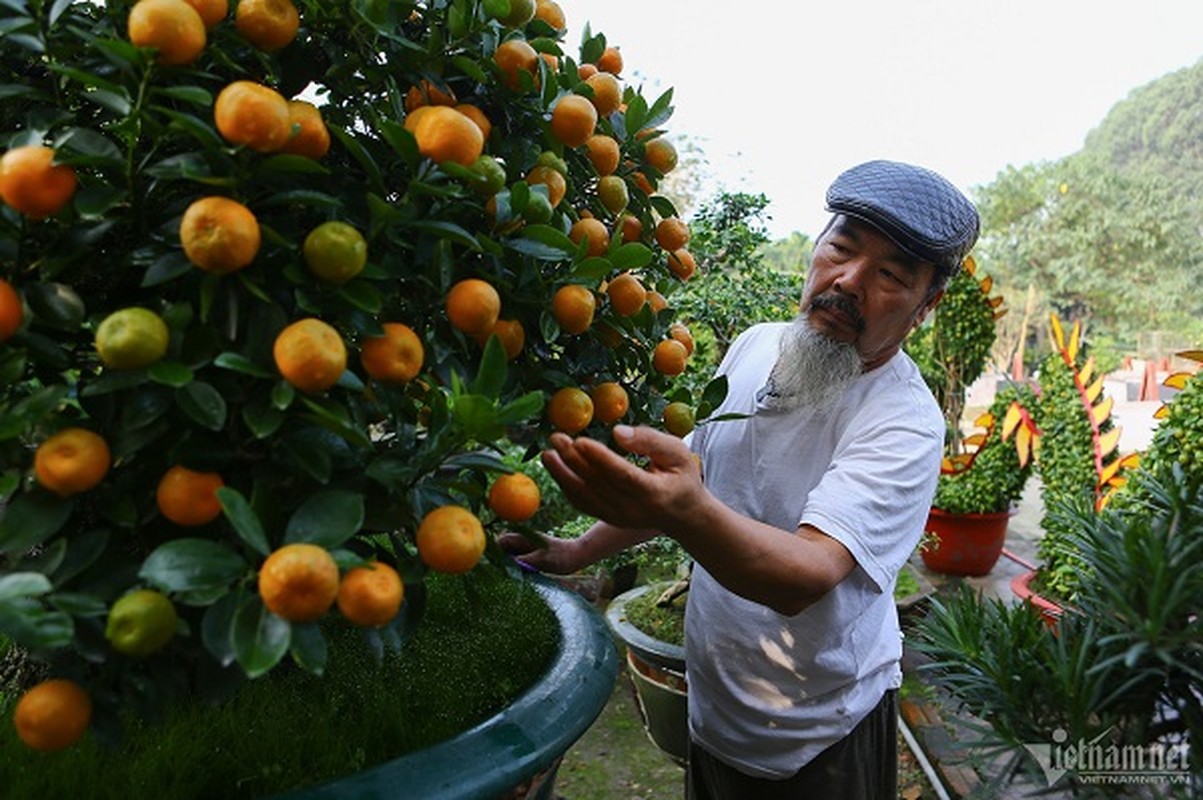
<point x="782" y="96"/>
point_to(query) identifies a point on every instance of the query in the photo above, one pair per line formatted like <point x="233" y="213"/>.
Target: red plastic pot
<point x="964" y="544"/>
<point x="1050" y="612"/>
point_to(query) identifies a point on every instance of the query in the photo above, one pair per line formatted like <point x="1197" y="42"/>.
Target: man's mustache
<point x="842" y="304"/>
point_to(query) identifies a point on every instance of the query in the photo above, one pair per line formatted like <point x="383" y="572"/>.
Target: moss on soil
<point x="483" y="641"/>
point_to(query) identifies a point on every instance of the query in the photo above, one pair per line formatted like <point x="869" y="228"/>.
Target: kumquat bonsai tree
<point x="277" y="282"/>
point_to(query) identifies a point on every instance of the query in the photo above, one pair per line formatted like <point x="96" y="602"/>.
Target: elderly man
<point x="811" y="504"/>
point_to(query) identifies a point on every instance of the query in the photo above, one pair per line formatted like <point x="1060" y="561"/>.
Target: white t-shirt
<point x="768" y="692"/>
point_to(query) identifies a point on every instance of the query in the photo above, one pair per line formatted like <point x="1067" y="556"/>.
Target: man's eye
<point x="893" y="277"/>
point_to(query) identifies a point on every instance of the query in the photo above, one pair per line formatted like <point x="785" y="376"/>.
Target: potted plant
<point x="411" y="717"/>
<point x="1078" y="459"/>
<point x="975" y="494"/>
<point x="967" y="525"/>
<point x="1116" y="668"/>
<point x="276" y="291"/>
<point x="1120" y="672"/>
<point x="951" y="349"/>
<point x="650" y="622"/>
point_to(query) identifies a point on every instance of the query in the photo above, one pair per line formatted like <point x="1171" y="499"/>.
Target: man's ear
<point x="926" y="308"/>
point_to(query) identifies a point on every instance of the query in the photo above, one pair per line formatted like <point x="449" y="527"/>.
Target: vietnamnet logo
<point x="1101" y="761"/>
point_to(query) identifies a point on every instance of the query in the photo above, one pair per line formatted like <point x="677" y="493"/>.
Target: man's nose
<point x="851" y="278"/>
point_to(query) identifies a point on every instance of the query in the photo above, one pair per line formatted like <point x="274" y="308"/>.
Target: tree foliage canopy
<point x="1111" y="233"/>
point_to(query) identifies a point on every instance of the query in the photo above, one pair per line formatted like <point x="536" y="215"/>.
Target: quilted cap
<point x="919" y="210"/>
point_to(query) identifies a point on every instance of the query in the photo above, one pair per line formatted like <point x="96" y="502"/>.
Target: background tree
<point x="1110" y="235"/>
<point x="791" y="254"/>
<point x="739" y="289"/>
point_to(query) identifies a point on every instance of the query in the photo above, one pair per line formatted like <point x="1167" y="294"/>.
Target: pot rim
<point x="517" y="743"/>
<point x="656" y="651"/>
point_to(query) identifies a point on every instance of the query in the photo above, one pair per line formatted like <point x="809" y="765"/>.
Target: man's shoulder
<point x="900" y="381"/>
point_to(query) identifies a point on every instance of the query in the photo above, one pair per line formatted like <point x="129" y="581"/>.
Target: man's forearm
<point x="603" y="540"/>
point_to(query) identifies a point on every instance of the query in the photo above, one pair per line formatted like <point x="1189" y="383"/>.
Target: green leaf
<point x="237" y="362"/>
<point x="535" y="249"/>
<point x="246" y="523"/>
<point x="217" y="627"/>
<point x="449" y="231"/>
<point x="362" y="295"/>
<point x="114" y="381"/>
<point x="83" y="550"/>
<point x="496" y="8"/>
<point x="45" y="560"/>
<point x="328" y="519"/>
<point x="200" y="130"/>
<point x="715" y="392"/>
<point x="90" y="143"/>
<point x="10" y="90"/>
<point x="203" y="404"/>
<point x="283" y="394"/>
<point x="552" y="237"/>
<point x="191" y="166"/>
<point x="57" y="10"/>
<point x="490" y="376"/>
<point x="309" y="457"/>
<point x="78" y="604"/>
<point x="334" y="417"/>
<point x="470" y="68"/>
<point x="32" y="626"/>
<point x="55" y="304"/>
<point x="31" y="43"/>
<point x="262" y="418"/>
<point x="301" y="197"/>
<point x="661" y="110"/>
<point x="93" y="202"/>
<point x="309" y="648"/>
<point x="664" y="207"/>
<point x="636" y="114"/>
<point x="12" y="367"/>
<point x="170" y="373"/>
<point x="526" y="407"/>
<point x="189" y="94"/>
<point x="364" y="158"/>
<point x="167" y="267"/>
<point x="476" y="459"/>
<point x="259" y="637"/>
<point x="23" y="584"/>
<point x="477" y="417"/>
<point x="40" y="404"/>
<point x="400" y="139"/>
<point x="187" y="565"/>
<point x="593" y="268"/>
<point x="292" y="163"/>
<point x="631" y="256"/>
<point x="519" y="197"/>
<point x="592" y="47"/>
<point x="32" y="519"/>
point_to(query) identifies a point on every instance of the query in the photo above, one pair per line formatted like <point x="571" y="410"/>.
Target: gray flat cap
<point x="919" y="210"/>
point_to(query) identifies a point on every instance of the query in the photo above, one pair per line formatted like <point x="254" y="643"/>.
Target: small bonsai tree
<point x="988" y="479"/>
<point x="1078" y="450"/>
<point x="952" y="348"/>
<point x="1179" y="436"/>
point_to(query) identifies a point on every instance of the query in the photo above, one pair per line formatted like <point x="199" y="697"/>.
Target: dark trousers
<point x="861" y="766"/>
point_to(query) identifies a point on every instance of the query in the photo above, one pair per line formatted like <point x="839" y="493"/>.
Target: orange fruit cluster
<point x="275" y="322"/>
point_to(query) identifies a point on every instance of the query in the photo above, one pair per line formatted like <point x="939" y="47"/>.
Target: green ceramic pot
<point x="515" y="753"/>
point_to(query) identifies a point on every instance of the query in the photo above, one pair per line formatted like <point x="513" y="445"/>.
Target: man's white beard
<point x="812" y="370"/>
